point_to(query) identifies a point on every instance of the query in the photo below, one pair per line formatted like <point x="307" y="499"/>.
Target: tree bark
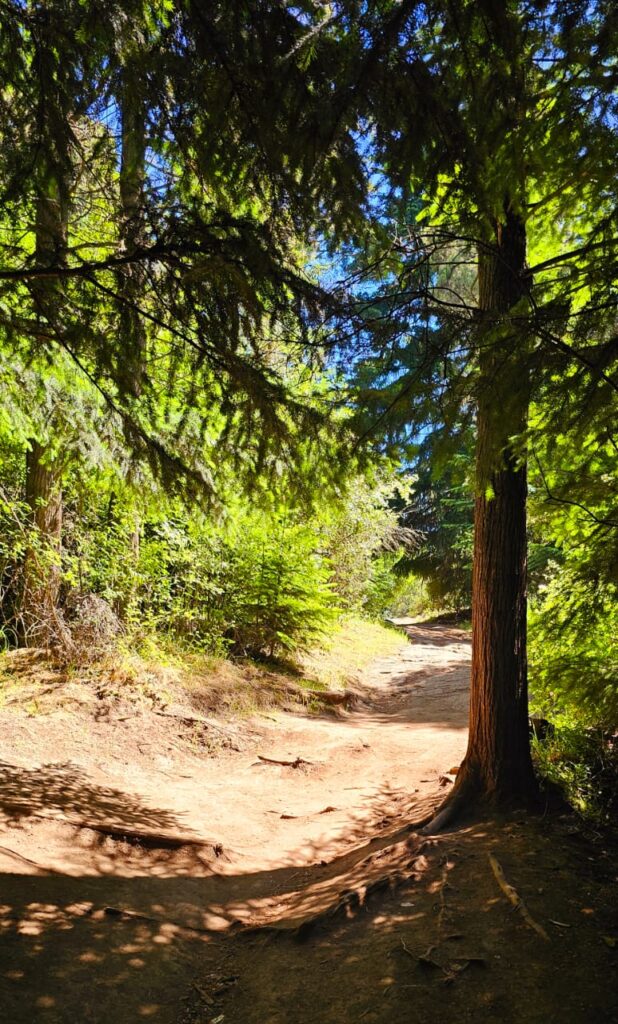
<point x="41" y="584"/>
<point x="40" y="620"/>
<point x="497" y="768"/>
<point x="132" y="230"/>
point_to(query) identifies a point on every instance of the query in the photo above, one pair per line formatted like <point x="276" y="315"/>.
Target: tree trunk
<point x="497" y="768"/>
<point x="40" y="620"/>
<point x="132" y="231"/>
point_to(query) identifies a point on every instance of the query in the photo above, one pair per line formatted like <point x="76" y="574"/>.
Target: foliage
<point x="441" y="508"/>
<point x="364" y="537"/>
<point x="583" y="762"/>
<point x="574" y="622"/>
<point x="410" y="598"/>
<point x="251" y="584"/>
<point x="573" y="649"/>
<point x="256" y="579"/>
<point x="275" y="593"/>
<point x="148" y="235"/>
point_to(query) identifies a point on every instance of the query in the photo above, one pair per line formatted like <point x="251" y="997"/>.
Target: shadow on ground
<point x="443" y="944"/>
<point x="372" y="924"/>
<point x="120" y="942"/>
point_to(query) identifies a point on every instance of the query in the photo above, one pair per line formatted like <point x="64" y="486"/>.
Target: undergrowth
<point x="159" y="673"/>
<point x="583" y="762"/>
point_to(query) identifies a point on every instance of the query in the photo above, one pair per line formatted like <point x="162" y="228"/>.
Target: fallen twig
<point x="296" y="763"/>
<point x="513" y="897"/>
<point x="427" y="960"/>
<point x="134" y="916"/>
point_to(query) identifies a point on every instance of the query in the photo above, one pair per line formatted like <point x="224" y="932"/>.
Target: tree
<point x="43" y="484"/>
<point x="494" y="130"/>
<point x="441" y="508"/>
<point x="199" y="241"/>
<point x="486" y="133"/>
<point x="152" y="243"/>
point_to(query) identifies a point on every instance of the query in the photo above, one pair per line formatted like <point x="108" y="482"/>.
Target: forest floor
<point x="165" y="865"/>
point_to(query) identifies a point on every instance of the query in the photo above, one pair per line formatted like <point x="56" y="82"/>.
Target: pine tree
<point x="195" y="241"/>
<point x="493" y="125"/>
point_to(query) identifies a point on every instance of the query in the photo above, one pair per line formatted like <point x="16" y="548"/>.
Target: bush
<point x="254" y="584"/>
<point x="278" y="594"/>
<point x="410" y="598"/>
<point x="364" y="540"/>
<point x="249" y="580"/>
<point x="573" y="649"/>
<point x="573" y="656"/>
<point x="583" y="762"/>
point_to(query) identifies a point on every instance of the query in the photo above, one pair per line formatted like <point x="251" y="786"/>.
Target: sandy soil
<point x="157" y="865"/>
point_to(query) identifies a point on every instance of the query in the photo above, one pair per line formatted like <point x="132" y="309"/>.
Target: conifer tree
<point x="494" y="127"/>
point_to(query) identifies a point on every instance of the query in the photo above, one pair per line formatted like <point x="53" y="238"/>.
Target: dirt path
<point x="130" y="861"/>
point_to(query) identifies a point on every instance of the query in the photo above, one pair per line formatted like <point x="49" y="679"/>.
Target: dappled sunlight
<point x="77" y="925"/>
<point x="64" y="787"/>
<point x="315" y="816"/>
<point x="91" y="828"/>
<point x="134" y="960"/>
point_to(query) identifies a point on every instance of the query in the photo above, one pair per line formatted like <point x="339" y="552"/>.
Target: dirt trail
<point x="96" y="926"/>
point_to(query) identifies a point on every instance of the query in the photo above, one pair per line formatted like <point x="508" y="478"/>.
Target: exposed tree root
<point x="513" y="897"/>
<point x="470" y="798"/>
<point x="352" y="897"/>
<point x="460" y="802"/>
<point x="139" y="837"/>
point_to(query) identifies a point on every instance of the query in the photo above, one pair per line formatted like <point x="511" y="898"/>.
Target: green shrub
<point x="573" y="656"/>
<point x="583" y="762"/>
<point x="573" y="649"/>
<point x="278" y="590"/>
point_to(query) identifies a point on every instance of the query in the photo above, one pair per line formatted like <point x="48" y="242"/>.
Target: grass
<point x="350" y="651"/>
<point x="165" y="674"/>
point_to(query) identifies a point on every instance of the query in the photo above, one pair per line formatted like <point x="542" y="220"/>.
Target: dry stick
<point x="296" y="763"/>
<point x="513" y="896"/>
<point x="132" y="915"/>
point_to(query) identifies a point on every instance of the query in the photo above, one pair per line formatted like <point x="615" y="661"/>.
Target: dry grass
<point x="350" y="651"/>
<point x="158" y="676"/>
<point x="221" y="686"/>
